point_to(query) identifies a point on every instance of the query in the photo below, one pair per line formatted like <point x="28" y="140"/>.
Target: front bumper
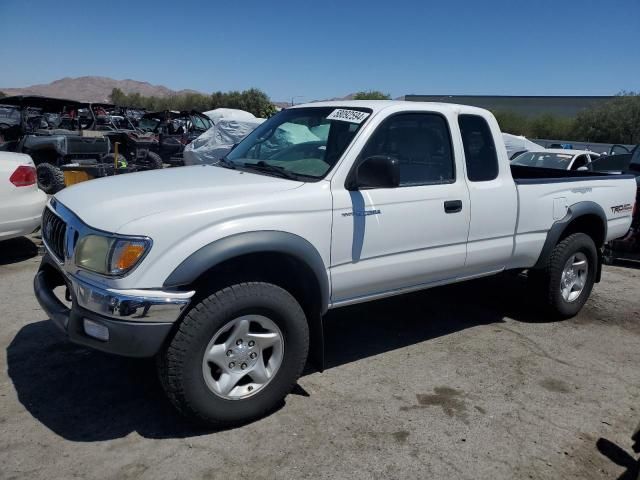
<point x="137" y="321"/>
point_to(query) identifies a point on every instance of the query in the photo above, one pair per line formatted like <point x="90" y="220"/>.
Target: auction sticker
<point x="351" y="116"/>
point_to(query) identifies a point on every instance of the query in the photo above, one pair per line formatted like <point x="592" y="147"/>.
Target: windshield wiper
<point x="226" y="163"/>
<point x="265" y="167"/>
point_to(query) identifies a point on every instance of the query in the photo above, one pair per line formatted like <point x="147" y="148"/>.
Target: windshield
<point x="9" y="115"/>
<point x="148" y="124"/>
<point x="305" y="142"/>
<point x="199" y="123"/>
<point x="544" y="160"/>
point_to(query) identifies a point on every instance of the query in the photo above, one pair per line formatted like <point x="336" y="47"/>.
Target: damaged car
<point x="54" y="132"/>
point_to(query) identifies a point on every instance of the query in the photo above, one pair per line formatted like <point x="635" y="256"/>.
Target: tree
<point x="2" y="94"/>
<point x="371" y="95"/>
<point x="617" y="121"/>
<point x="252" y="100"/>
<point x="512" y="122"/>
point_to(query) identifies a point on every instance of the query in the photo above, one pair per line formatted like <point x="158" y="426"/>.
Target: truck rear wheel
<point x="568" y="278"/>
<point x="50" y="178"/>
<point x="236" y="354"/>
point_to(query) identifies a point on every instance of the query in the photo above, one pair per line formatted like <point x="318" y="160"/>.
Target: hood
<point x="109" y="203"/>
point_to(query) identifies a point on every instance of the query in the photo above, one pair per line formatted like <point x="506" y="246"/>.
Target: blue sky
<point x="325" y="48"/>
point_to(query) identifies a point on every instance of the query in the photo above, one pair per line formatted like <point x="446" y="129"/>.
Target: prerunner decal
<point x="351" y="116"/>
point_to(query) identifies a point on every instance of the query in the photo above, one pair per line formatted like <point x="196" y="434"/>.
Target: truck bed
<point x="528" y="175"/>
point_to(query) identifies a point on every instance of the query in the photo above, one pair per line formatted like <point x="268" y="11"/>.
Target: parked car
<point x="557" y="158"/>
<point x="627" y="247"/>
<point x="224" y="272"/>
<point x="54" y="132"/>
<point x="21" y="201"/>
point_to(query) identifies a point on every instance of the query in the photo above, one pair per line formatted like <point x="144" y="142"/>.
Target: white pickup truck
<point x="224" y="272"/>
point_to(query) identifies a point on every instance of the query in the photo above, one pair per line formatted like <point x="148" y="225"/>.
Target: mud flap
<point x="316" y="339"/>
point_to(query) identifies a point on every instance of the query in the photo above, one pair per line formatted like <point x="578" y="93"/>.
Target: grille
<point x="53" y="232"/>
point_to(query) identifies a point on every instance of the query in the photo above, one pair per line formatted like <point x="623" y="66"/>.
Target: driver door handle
<point x="453" y="206"/>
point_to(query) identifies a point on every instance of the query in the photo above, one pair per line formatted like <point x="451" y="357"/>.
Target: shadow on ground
<point x="85" y="395"/>
<point x="17" y="250"/>
<point x="620" y="457"/>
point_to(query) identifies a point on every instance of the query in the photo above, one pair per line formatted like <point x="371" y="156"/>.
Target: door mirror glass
<point x="378" y="171"/>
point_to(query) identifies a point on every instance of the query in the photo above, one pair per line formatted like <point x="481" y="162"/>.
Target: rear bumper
<point x="137" y="321"/>
<point x="25" y="214"/>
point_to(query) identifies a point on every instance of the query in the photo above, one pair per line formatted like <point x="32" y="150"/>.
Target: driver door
<point x="386" y="240"/>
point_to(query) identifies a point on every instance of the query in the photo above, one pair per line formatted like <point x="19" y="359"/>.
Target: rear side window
<point x="479" y="149"/>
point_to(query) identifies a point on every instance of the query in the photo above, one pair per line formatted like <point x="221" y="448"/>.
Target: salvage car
<point x="224" y="272"/>
<point x="21" y="201"/>
<point x="54" y="132"/>
<point x="557" y="158"/>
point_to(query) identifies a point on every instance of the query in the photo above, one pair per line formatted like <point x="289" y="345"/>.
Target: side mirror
<point x="378" y="171"/>
<point x="583" y="169"/>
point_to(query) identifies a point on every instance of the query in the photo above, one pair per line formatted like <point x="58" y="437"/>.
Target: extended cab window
<point x="479" y="148"/>
<point x="422" y="144"/>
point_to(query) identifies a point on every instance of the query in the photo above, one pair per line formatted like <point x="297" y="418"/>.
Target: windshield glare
<point x="302" y="141"/>
<point x="544" y="160"/>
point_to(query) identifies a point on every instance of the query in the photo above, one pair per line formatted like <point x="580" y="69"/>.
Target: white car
<point x="224" y="272"/>
<point x="557" y="158"/>
<point x="21" y="201"/>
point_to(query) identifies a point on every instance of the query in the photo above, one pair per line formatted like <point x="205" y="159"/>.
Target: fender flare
<point x="575" y="211"/>
<point x="240" y="244"/>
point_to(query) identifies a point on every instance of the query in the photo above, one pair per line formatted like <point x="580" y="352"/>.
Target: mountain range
<point x="98" y="89"/>
<point x="92" y="89"/>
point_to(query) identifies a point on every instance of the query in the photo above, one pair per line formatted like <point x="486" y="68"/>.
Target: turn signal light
<point x="24" y="176"/>
<point x="126" y="255"/>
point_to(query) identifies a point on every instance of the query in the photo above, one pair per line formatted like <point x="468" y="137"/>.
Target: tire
<point x="187" y="378"/>
<point x="152" y="161"/>
<point x="50" y="178"/>
<point x="574" y="249"/>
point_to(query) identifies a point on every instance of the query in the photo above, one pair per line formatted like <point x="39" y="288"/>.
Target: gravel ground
<point x="466" y="381"/>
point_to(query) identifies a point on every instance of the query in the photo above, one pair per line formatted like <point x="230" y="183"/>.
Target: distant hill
<point x="93" y="89"/>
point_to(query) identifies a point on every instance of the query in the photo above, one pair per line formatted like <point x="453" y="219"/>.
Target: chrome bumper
<point x="130" y="305"/>
<point x="134" y="323"/>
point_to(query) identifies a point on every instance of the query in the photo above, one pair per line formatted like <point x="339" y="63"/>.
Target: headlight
<point x="110" y="255"/>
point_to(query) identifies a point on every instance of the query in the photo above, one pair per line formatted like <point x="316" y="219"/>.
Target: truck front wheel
<point x="568" y="278"/>
<point x="236" y="354"/>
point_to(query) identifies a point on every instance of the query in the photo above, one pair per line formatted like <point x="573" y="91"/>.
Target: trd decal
<point x="627" y="207"/>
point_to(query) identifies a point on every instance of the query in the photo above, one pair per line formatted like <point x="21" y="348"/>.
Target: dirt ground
<point x="466" y="381"/>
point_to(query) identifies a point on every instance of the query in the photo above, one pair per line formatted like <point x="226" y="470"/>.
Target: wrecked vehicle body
<point x="174" y="130"/>
<point x="137" y="147"/>
<point x="54" y="132"/>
